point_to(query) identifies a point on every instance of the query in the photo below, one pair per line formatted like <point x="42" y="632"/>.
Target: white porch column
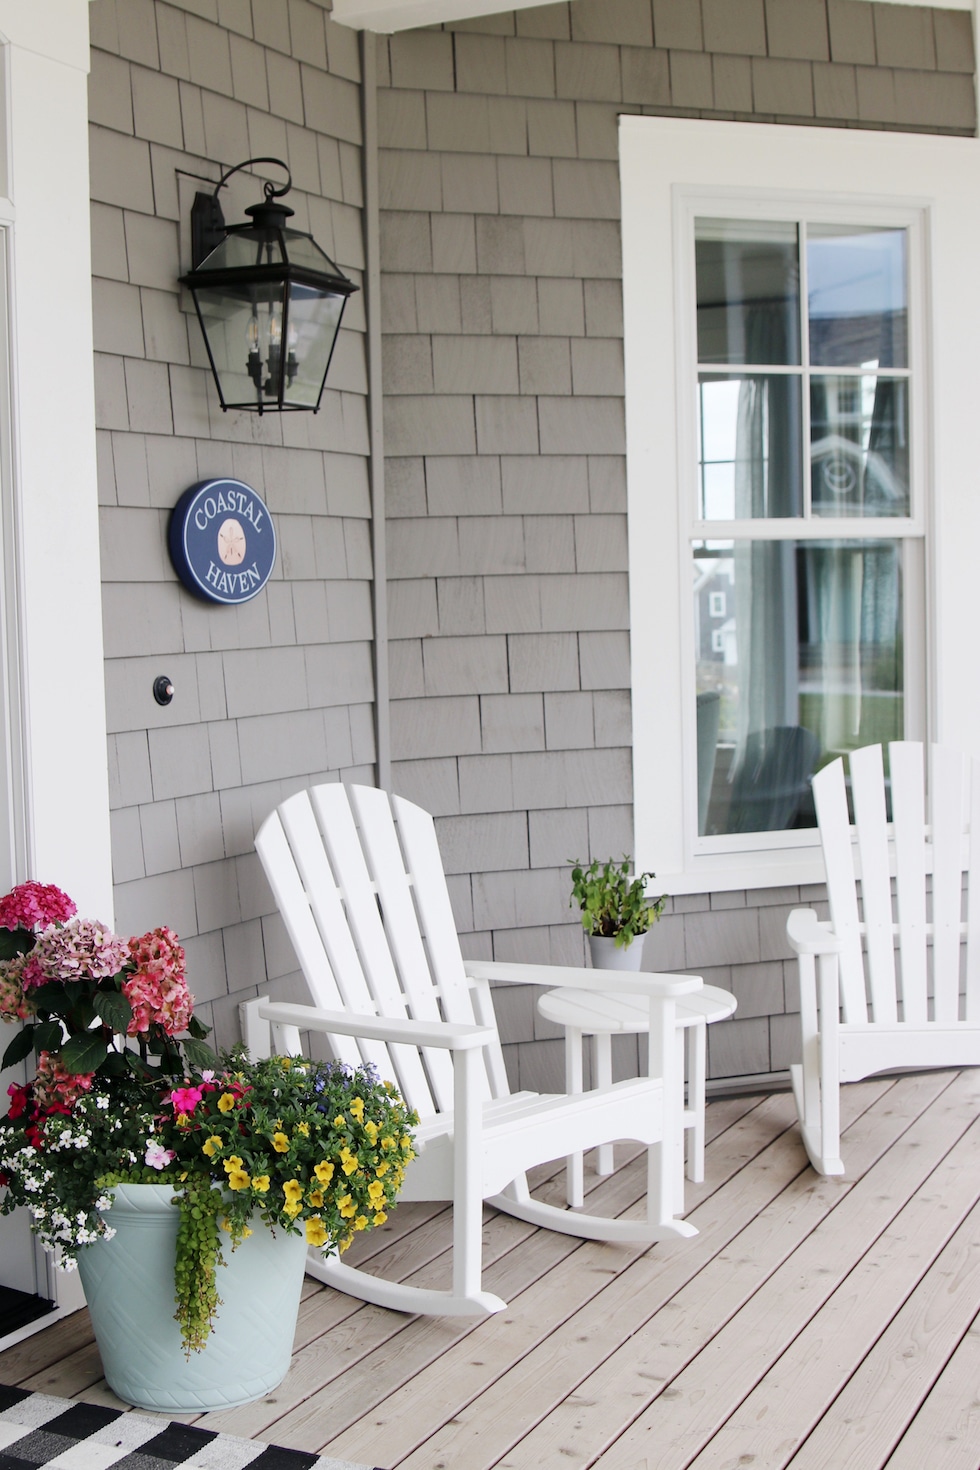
<point x="55" y="632"/>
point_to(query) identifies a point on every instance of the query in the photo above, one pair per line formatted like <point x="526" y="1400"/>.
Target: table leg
<point x="602" y="1051"/>
<point x="574" y="1173"/>
<point x="696" y="1071"/>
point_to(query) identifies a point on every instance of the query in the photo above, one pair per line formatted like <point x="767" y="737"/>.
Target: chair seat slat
<point x="868" y="794"/>
<point x="946" y="801"/>
<point x="908" y="812"/>
<point x="830" y="800"/>
<point x="291" y="899"/>
<point x="393" y="886"/>
<point x="375" y="972"/>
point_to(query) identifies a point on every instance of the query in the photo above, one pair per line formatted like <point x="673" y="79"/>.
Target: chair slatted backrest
<point x="922" y="927"/>
<point x="360" y="885"/>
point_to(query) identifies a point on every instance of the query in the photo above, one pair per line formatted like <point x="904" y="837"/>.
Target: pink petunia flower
<point x="185" y="1099"/>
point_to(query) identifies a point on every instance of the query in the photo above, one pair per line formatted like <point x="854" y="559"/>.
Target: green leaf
<point x="113" y="1008"/>
<point x="83" y="1053"/>
<point x="48" y="1036"/>
<point x="199" y="1055"/>
<point x="14" y="942"/>
<point x="115" y="1064"/>
<point x="198" y="1029"/>
<point x="21" y="1047"/>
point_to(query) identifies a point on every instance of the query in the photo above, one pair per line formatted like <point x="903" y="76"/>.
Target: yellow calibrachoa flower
<point x="213" y="1145"/>
<point x="238" y="1179"/>
<point x="292" y="1208"/>
<point x="233" y="1163"/>
<point x="361" y="1222"/>
<point x="293" y="1191"/>
<point x="324" y="1171"/>
<point x="380" y="1217"/>
<point x="315" y="1198"/>
<point x="280" y="1143"/>
<point x="348" y="1161"/>
<point x="382" y="1168"/>
<point x="260" y="1183"/>
<point x="387" y="1143"/>
<point x="347" y="1207"/>
<point x="316" y="1231"/>
<point x="357" y="1109"/>
<point x="303" y="1128"/>
<point x="183" y="1121"/>
<point x="372" y="1130"/>
<point x="340" y="1121"/>
<point x="226" y="1102"/>
<point x="376" y="1191"/>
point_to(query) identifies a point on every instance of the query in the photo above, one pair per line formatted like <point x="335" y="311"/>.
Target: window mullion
<point x="805" y="361"/>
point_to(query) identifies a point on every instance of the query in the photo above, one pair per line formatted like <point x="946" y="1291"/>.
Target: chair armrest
<point x="809" y="935"/>
<point x="378" y="1028"/>
<point x="555" y="977"/>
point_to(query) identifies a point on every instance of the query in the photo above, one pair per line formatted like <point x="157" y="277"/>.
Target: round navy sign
<point x="222" y="541"/>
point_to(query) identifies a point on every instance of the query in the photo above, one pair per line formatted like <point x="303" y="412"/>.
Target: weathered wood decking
<point x="812" y="1323"/>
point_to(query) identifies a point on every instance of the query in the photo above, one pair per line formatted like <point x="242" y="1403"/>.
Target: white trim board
<point x="663" y="161"/>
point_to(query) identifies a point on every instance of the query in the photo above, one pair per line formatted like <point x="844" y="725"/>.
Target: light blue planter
<point x="129" y="1287"/>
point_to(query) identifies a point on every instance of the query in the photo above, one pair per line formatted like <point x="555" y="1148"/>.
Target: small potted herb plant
<point x="616" y="912"/>
<point x="175" y="1178"/>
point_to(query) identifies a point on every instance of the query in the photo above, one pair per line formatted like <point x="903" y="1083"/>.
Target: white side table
<point x="590" y="1013"/>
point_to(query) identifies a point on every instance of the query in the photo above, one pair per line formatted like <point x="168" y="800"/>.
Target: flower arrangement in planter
<point x="126" y="1092"/>
<point x="613" y="905"/>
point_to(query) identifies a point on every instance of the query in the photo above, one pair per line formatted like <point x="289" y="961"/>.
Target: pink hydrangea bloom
<point x="14" y="1005"/>
<point x="158" y="991"/>
<point x="30" y="904"/>
<point x="54" y="1086"/>
<point x="81" y="949"/>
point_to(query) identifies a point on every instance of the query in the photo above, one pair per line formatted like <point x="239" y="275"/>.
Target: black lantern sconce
<point x="269" y="301"/>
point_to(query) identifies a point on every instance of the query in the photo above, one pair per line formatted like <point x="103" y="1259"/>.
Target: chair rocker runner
<point x="861" y="1012"/>
<point x="359" y="882"/>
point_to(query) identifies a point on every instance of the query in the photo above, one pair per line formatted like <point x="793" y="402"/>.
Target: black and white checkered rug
<point x="38" y="1430"/>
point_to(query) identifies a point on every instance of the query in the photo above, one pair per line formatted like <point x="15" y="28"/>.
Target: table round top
<point x="591" y="1011"/>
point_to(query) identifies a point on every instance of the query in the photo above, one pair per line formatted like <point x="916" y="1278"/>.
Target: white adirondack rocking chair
<point x="358" y="879"/>
<point x="862" y="1012"/>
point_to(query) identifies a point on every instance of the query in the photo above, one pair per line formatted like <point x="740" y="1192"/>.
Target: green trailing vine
<point x="197" y="1259"/>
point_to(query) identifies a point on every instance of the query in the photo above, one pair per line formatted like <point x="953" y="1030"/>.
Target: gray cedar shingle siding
<point x="503" y="323"/>
<point x="505" y="484"/>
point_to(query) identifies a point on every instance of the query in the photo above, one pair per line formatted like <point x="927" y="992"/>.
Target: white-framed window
<point x="784" y="349"/>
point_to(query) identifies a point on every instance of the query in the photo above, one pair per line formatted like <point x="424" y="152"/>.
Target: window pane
<point x="859" y="446"/>
<point x="856" y="291"/>
<point x="799" y="658"/>
<point x="749" y="446"/>
<point x="748" y="286"/>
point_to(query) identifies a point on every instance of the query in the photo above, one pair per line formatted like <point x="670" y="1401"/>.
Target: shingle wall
<point x="503" y="375"/>
<point x="280" y="690"/>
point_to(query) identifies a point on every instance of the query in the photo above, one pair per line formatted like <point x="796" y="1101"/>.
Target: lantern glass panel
<point x="314" y="318"/>
<point x="303" y="251"/>
<point x="244" y="251"/>
<point x="243" y="329"/>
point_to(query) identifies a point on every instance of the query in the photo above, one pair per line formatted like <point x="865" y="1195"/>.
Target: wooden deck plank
<point x="775" y="1418"/>
<point x="870" y="1416"/>
<point x="381" y="1376"/>
<point x="945" y="1434"/>
<point x="811" y="1324"/>
<point x="533" y="1319"/>
<point x="658" y="1331"/>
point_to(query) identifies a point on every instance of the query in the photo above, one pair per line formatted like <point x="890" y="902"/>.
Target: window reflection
<point x="799" y="658"/>
<point x="750" y="446"/>
<point x="859" y="446"/>
<point x="857" y="296"/>
<point x="748" y="286"/>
